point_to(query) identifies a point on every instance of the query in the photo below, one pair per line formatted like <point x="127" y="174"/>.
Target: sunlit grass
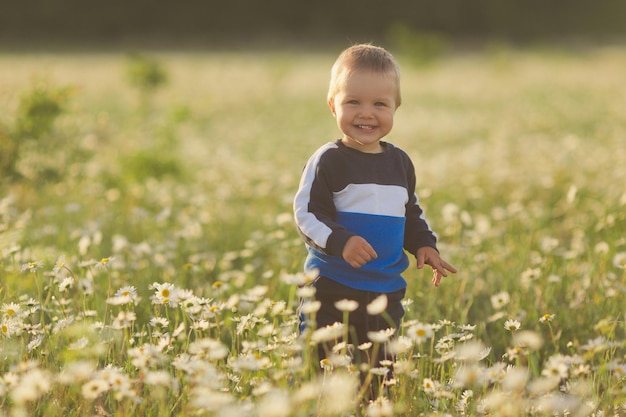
<point x="157" y="275"/>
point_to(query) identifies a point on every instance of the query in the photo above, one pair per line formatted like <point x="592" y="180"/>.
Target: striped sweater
<point x="344" y="192"/>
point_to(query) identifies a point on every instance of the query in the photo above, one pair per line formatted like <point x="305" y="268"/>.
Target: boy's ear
<point x="331" y="104"/>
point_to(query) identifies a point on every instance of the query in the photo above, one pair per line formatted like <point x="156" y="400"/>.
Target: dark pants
<point x="360" y="322"/>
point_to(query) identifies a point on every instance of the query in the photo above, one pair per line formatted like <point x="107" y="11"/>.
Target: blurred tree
<point x="38" y="109"/>
<point x="33" y="130"/>
<point x="147" y="74"/>
<point x="202" y="23"/>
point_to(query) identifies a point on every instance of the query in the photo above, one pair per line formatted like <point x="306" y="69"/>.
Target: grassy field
<point x="149" y="263"/>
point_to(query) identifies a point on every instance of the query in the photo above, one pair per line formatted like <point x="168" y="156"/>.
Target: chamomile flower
<point x="127" y="291"/>
<point x="144" y="356"/>
<point x="274" y="403"/>
<point x="496" y="372"/>
<point x="208" y="348"/>
<point x="307" y="291"/>
<point x="92" y="389"/>
<point x="527" y="339"/>
<point x="32" y="266"/>
<point x="160" y="322"/>
<point x="471" y="351"/>
<point x="77" y="371"/>
<point x="166" y="294"/>
<point x="249" y="362"/>
<point x="546" y="318"/>
<point x="293" y="279"/>
<point x="338" y="360"/>
<point x="105" y="263"/>
<point x="362" y="346"/>
<point x="467" y="327"/>
<point x="125" y="295"/>
<point x="192" y="305"/>
<point x="310" y="307"/>
<point x="200" y="325"/>
<point x="381" y="407"/>
<point x="59" y="264"/>
<point x="515" y="379"/>
<point x="377" y="305"/>
<point x="35" y="343"/>
<point x="619" y="260"/>
<point x="381" y="336"/>
<point x="469" y="375"/>
<point x="556" y="366"/>
<point x="328" y="333"/>
<point x="512" y="325"/>
<point x="500" y="300"/>
<point x="598" y="344"/>
<point x="346" y="305"/>
<point x="79" y="344"/>
<point x="124" y="319"/>
<point x="430" y="386"/>
<point x="379" y="371"/>
<point x="463" y="404"/>
<point x="9" y="327"/>
<point x="66" y="283"/>
<point x="162" y="378"/>
<point x="11" y="309"/>
<point x="400" y="345"/>
<point x="33" y="384"/>
<point x="529" y="275"/>
<point x="420" y="332"/>
<point x="619" y="370"/>
<point x="62" y="324"/>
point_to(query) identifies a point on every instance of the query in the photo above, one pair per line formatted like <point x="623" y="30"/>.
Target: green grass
<point x="520" y="159"/>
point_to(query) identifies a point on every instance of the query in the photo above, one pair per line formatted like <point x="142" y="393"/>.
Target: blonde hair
<point x="363" y="58"/>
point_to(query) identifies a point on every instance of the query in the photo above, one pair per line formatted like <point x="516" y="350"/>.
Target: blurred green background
<point x="202" y="23"/>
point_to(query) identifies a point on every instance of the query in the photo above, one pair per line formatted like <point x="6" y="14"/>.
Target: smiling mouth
<point x="366" y="127"/>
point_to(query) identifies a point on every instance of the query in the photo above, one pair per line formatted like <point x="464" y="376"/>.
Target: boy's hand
<point x="358" y="252"/>
<point x="429" y="256"/>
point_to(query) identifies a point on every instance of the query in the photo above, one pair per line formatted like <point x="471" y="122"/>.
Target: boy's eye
<point x="353" y="102"/>
<point x="380" y="104"/>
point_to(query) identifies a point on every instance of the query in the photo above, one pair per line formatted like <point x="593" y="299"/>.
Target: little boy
<point x="356" y="206"/>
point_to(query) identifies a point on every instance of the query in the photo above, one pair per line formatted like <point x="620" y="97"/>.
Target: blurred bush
<point x="159" y="158"/>
<point x="151" y="163"/>
<point x="145" y="73"/>
<point x="419" y="48"/>
<point x="38" y="109"/>
<point x="8" y="153"/>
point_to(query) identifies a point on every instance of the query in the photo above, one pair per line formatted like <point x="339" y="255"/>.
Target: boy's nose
<point x="366" y="112"/>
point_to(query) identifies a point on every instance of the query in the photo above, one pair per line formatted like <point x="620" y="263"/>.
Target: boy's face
<point x="364" y="108"/>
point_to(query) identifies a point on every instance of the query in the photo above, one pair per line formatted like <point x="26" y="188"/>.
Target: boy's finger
<point x="370" y="251"/>
<point x="441" y="271"/>
<point x="449" y="267"/>
<point x="436" y="278"/>
<point x="420" y="260"/>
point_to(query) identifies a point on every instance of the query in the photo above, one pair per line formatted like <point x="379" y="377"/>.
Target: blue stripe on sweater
<point x="382" y="274"/>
